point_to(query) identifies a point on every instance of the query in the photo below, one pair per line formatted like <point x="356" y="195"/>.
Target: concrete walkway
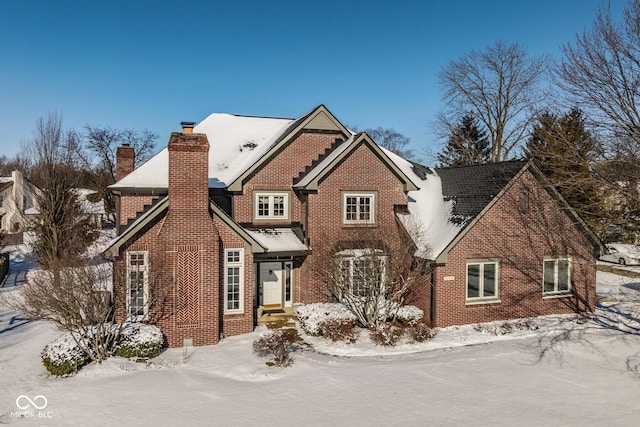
<point x="21" y="260"/>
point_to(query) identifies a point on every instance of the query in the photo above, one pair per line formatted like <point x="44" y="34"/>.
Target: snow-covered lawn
<point x="564" y="373"/>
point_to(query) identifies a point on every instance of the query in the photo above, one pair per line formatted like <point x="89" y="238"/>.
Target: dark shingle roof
<point x="473" y="187"/>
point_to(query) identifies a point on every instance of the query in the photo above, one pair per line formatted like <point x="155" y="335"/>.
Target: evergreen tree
<point x="467" y="145"/>
<point x="566" y="152"/>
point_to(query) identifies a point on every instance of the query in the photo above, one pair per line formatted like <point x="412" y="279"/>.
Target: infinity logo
<point x="30" y="402"/>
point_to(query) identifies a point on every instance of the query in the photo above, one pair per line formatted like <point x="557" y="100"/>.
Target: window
<point x="482" y="280"/>
<point x="233" y="280"/>
<point x="271" y="205"/>
<point x="137" y="284"/>
<point x="557" y="276"/>
<point x="359" y="208"/>
<point x="288" y="266"/>
<point x="363" y="272"/>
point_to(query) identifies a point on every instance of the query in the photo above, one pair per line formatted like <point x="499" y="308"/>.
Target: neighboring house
<point x="92" y="209"/>
<point x="232" y="219"/>
<point x="17" y="202"/>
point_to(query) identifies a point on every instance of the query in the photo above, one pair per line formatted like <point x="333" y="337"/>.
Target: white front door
<point x="271" y="280"/>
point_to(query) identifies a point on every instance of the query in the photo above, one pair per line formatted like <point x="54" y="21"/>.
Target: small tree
<point x="372" y="274"/>
<point x="76" y="299"/>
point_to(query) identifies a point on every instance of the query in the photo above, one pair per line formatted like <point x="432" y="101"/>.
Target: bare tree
<point x="100" y="145"/>
<point x="601" y="73"/>
<point x="391" y="140"/>
<point x="371" y="274"/>
<point x="59" y="230"/>
<point x="500" y="87"/>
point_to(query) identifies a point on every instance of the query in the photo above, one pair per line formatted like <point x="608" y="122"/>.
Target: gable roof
<point x="238" y="146"/>
<point x="311" y="180"/>
<point x="113" y="247"/>
<point x="472" y="187"/>
<point x="472" y="197"/>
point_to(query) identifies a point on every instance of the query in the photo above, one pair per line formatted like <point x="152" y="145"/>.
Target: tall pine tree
<point x="467" y="145"/>
<point x="567" y="152"/>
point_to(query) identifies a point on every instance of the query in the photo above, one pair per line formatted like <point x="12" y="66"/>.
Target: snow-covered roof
<point x="236" y="142"/>
<point x="428" y="221"/>
<point x="278" y="240"/>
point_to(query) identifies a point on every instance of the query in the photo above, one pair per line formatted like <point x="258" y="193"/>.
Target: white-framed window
<point x="233" y="280"/>
<point x="358" y="208"/>
<point x="137" y="285"/>
<point x="271" y="205"/>
<point x="362" y="272"/>
<point x="556" y="276"/>
<point x="482" y="280"/>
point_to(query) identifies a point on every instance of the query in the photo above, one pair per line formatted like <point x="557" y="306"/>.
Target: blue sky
<point x="152" y="64"/>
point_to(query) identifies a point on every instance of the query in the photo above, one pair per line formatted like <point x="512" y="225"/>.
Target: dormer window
<point x="271" y="206"/>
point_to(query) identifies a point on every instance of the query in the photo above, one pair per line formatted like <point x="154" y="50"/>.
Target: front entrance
<point x="271" y="283"/>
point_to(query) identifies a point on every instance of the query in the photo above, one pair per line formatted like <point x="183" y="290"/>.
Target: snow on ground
<point x="564" y="373"/>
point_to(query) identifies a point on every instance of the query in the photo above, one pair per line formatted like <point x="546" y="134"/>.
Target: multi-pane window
<point x="358" y="208"/>
<point x="137" y="284"/>
<point x="482" y="280"/>
<point x="233" y="280"/>
<point x="557" y="276"/>
<point x="271" y="206"/>
<point x="362" y="275"/>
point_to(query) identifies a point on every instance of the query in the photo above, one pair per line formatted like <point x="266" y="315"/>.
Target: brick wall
<point x="363" y="171"/>
<point x="278" y="175"/>
<point x="520" y="239"/>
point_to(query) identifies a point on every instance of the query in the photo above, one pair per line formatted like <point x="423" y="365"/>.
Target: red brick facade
<point x="519" y="239"/>
<point x="186" y="243"/>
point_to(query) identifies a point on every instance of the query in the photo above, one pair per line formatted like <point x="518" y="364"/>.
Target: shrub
<point x="386" y="334"/>
<point x="311" y="315"/>
<point x="340" y="330"/>
<point x="277" y="344"/>
<point x="139" y="340"/>
<point x="420" y="332"/>
<point x="507" y="327"/>
<point x="407" y="314"/>
<point x="63" y="356"/>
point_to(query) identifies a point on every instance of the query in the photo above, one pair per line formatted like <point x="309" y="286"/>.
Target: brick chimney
<point x="124" y="161"/>
<point x="188" y="173"/>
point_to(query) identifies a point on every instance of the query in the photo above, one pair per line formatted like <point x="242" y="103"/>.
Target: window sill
<point x="553" y="296"/>
<point x="482" y="302"/>
<point x="232" y="313"/>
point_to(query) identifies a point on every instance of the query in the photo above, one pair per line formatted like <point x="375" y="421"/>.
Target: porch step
<point x="273" y="319"/>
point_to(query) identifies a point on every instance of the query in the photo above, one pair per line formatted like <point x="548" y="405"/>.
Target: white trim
<point x="371" y="195"/>
<point x="145" y="296"/>
<point x="271" y="205"/>
<point x="556" y="292"/>
<point x="239" y="264"/>
<point x="481" y="298"/>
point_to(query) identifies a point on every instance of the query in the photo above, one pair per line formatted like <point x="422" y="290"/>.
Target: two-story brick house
<point x="228" y="220"/>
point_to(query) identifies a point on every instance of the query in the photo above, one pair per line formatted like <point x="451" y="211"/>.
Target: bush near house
<point x="139" y="340"/>
<point x="277" y="344"/>
<point x="63" y="356"/>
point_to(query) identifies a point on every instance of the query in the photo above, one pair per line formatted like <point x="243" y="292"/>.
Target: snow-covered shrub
<point x="139" y="340"/>
<point x="277" y="344"/>
<point x="63" y="356"/>
<point x="340" y="330"/>
<point x="419" y="331"/>
<point x="407" y="314"/>
<point x="311" y="315"/>
<point x="506" y="327"/>
<point x="386" y="334"/>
